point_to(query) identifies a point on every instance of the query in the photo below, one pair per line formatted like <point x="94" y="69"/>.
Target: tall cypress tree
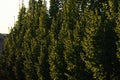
<point x="19" y="41"/>
<point x="118" y="33"/>
<point x="4" y="61"/>
<point x="88" y="53"/>
<point x="43" y="39"/>
<point x="15" y="39"/>
<point x="104" y="48"/>
<point x="117" y="30"/>
<point x="56" y="59"/>
<point x="106" y="43"/>
<point x="29" y="52"/>
<point x="78" y="40"/>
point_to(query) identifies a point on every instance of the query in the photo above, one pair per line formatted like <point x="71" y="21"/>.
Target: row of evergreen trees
<point x="74" y="40"/>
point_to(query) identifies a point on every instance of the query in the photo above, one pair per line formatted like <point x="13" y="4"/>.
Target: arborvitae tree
<point x="29" y="68"/>
<point x="30" y="47"/>
<point x="78" y="40"/>
<point x="66" y="35"/>
<point x="103" y="47"/>
<point x="56" y="59"/>
<point x="106" y="41"/>
<point x="118" y="33"/>
<point x="3" y="61"/>
<point x="34" y="13"/>
<point x="117" y="30"/>
<point x="43" y="40"/>
<point x="92" y="24"/>
<point x="19" y="41"/>
<point x="8" y="57"/>
<point x="82" y="71"/>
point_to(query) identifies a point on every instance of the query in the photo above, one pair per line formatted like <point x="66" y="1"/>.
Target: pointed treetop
<point x="22" y="3"/>
<point x="19" y="4"/>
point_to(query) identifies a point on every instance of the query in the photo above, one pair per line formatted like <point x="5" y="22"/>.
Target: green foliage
<point x="43" y="40"/>
<point x="118" y="34"/>
<point x="76" y="40"/>
<point x="56" y="59"/>
<point x="55" y="6"/>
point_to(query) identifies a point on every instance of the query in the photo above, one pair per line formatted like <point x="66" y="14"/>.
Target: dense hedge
<point x="73" y="40"/>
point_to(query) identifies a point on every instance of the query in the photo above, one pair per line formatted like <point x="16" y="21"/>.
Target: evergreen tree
<point x="68" y="26"/>
<point x="56" y="59"/>
<point x="30" y="48"/>
<point x="3" y="61"/>
<point x="106" y="41"/>
<point x="43" y="40"/>
<point x="29" y="69"/>
<point x="118" y="33"/>
<point x="103" y="44"/>
<point x="76" y="40"/>
<point x="10" y="56"/>
<point x="19" y="41"/>
<point x="88" y="49"/>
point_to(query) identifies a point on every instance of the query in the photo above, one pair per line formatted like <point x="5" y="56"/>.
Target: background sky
<point x="8" y="10"/>
<point x="8" y="13"/>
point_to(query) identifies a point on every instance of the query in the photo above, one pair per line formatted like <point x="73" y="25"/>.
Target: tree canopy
<point x="73" y="40"/>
